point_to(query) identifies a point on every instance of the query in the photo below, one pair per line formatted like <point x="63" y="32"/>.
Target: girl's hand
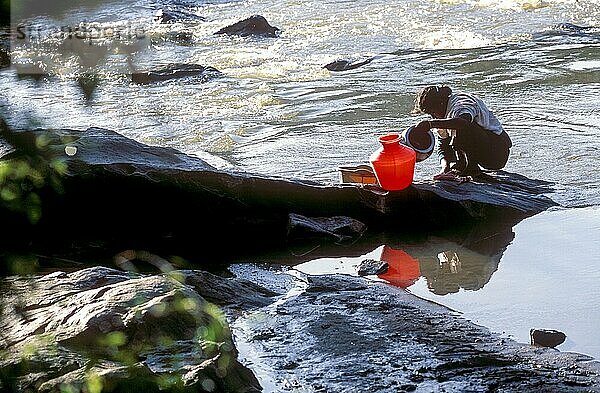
<point x="423" y="126"/>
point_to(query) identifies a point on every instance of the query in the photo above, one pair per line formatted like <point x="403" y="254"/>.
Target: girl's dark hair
<point x="431" y="97"/>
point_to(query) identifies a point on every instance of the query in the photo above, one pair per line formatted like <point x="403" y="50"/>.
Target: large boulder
<point x="120" y="329"/>
<point x="255" y="25"/>
<point x="129" y="195"/>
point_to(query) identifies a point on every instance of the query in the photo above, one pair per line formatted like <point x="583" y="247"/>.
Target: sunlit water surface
<point x="277" y="111"/>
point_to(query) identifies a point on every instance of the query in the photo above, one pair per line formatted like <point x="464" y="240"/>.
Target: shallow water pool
<point x="548" y="276"/>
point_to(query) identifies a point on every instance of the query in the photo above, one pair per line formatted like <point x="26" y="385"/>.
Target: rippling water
<point x="277" y="111"/>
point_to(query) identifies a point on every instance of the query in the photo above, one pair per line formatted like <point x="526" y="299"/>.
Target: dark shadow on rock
<point x="127" y="195"/>
<point x="255" y="25"/>
<point x="175" y="71"/>
<point x="345" y="65"/>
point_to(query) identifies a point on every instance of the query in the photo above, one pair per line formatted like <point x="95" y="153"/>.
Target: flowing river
<point x="277" y="111"/>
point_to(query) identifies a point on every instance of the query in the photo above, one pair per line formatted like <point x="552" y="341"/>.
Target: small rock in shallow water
<point x="371" y="267"/>
<point x="345" y="65"/>
<point x="175" y="71"/>
<point x="546" y="337"/>
<point x="339" y="228"/>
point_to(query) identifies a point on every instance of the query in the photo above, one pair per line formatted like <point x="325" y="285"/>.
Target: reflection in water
<point x="458" y="268"/>
<point x="403" y="270"/>
<point x="548" y="279"/>
<point x="458" y="261"/>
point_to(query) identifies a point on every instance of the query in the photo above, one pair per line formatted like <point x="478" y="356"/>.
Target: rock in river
<point x="255" y="25"/>
<point x="175" y="71"/>
<point x="546" y="337"/>
<point x="345" y="65"/>
<point x="172" y="16"/>
<point x="348" y="334"/>
<point x="370" y="267"/>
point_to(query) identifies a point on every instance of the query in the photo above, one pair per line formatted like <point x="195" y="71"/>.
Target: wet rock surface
<point x="132" y="332"/>
<point x="122" y="331"/>
<point x="346" y="334"/>
<point x="338" y="228"/>
<point x="175" y="71"/>
<point x="255" y="25"/>
<point x="255" y="212"/>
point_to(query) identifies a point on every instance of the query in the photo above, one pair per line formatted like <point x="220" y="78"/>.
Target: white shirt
<point x="460" y="103"/>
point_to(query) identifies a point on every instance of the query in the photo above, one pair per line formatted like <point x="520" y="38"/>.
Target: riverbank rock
<point x="346" y="334"/>
<point x="547" y="337"/>
<point x="233" y="212"/>
<point x="120" y="331"/>
<point x="255" y="25"/>
<point x="175" y="71"/>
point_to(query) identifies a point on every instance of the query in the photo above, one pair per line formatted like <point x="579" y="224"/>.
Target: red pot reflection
<point x="403" y="270"/>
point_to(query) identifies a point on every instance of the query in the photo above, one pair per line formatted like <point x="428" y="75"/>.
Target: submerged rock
<point x="345" y="65"/>
<point x="255" y="25"/>
<point x="180" y="37"/>
<point x="175" y="71"/>
<point x="120" y="329"/>
<point x="31" y="71"/>
<point x="546" y="337"/>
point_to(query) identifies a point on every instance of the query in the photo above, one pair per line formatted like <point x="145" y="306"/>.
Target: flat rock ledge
<point x="122" y="332"/>
<point x="116" y="188"/>
<point x="347" y="334"/>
